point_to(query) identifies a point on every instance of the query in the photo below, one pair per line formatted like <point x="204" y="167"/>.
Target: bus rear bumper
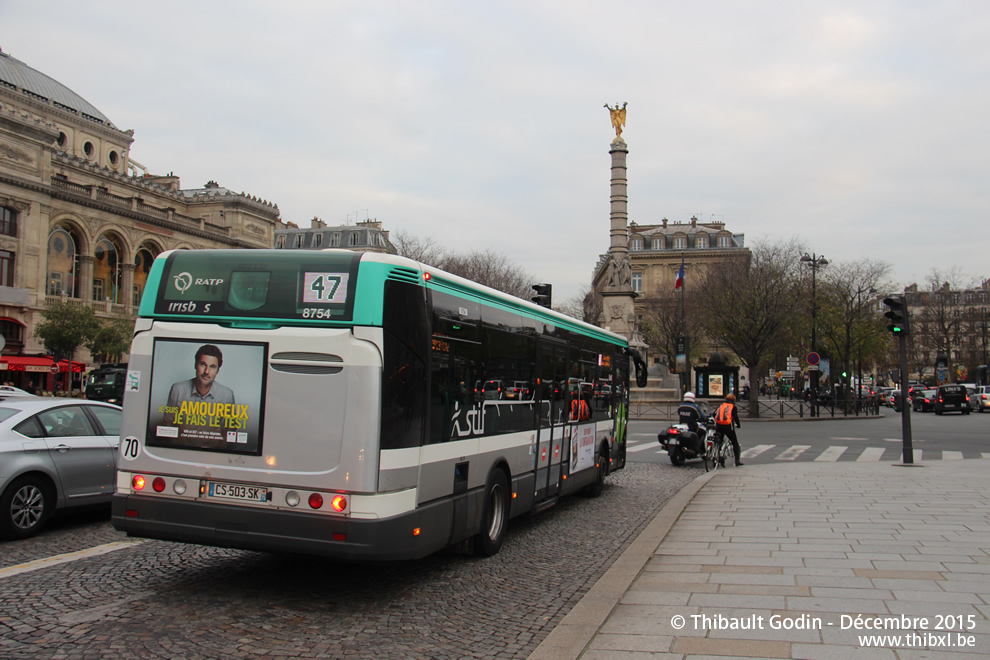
<point x="251" y="528"/>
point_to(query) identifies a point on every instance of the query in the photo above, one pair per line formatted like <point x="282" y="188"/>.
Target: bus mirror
<point x="640" y="373"/>
<point x="640" y="364"/>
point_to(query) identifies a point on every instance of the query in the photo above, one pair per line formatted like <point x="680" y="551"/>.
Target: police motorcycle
<point x="686" y="439"/>
<point x="682" y="444"/>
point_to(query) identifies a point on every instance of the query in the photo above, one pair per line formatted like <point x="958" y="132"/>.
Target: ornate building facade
<point x="81" y="221"/>
<point x="656" y="252"/>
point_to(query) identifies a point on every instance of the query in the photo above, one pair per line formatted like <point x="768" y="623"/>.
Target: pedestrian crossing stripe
<point x="645" y="445"/>
<point x="871" y="454"/>
<point x="792" y="452"/>
<point x="830" y="454"/>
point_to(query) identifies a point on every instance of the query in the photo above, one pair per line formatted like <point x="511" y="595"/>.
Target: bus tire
<point x="594" y="489"/>
<point x="494" y="515"/>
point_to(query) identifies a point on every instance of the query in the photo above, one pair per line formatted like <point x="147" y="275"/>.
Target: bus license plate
<point x="237" y="492"/>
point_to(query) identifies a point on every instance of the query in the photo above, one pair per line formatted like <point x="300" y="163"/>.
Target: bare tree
<point x="749" y="306"/>
<point x="666" y="317"/>
<point x="482" y="266"/>
<point x="587" y="305"/>
<point x="848" y="324"/>
<point x="425" y="250"/>
<point x="937" y="319"/>
<point x="493" y="270"/>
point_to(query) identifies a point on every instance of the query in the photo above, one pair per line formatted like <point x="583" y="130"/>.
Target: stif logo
<point x="182" y="281"/>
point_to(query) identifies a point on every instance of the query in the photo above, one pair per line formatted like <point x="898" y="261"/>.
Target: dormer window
<point x="701" y="241"/>
<point x="658" y="242"/>
<point x="335" y="239"/>
<point x="724" y="241"/>
<point x="636" y="243"/>
<point x="680" y="242"/>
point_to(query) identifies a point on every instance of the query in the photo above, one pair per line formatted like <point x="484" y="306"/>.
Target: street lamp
<point x="983" y="327"/>
<point x="816" y="261"/>
<point x="859" y="352"/>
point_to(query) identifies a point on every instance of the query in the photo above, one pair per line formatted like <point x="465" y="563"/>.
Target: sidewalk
<point x="795" y="561"/>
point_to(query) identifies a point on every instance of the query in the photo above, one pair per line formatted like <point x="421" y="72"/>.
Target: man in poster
<point x="203" y="402"/>
<point x="203" y="387"/>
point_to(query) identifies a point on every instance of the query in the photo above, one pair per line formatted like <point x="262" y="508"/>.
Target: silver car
<point x="55" y="454"/>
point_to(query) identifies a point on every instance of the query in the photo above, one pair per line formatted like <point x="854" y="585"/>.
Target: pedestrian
<point x="727" y="417"/>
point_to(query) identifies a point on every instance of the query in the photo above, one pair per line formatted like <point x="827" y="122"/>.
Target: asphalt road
<point x="934" y="437"/>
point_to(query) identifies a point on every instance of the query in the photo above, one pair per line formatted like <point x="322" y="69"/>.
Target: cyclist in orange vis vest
<point x="580" y="410"/>
<point x="725" y="418"/>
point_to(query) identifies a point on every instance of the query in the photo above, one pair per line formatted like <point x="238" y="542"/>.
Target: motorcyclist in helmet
<point x="690" y="413"/>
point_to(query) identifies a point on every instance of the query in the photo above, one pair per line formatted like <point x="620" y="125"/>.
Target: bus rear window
<point x="259" y="284"/>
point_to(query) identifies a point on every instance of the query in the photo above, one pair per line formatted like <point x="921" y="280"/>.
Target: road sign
<point x="812" y="367"/>
<point x="54" y="368"/>
<point x="813" y="358"/>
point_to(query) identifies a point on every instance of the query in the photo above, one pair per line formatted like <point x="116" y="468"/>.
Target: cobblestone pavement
<point x="164" y="600"/>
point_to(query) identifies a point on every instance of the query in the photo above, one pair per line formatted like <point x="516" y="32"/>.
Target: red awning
<point x="77" y="367"/>
<point x="37" y="364"/>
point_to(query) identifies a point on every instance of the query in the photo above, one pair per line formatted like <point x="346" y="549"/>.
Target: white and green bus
<point x="334" y="403"/>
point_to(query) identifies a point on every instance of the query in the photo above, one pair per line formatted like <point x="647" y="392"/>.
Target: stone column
<point x="618" y="294"/>
<point x="126" y="297"/>
<point x="86" y="277"/>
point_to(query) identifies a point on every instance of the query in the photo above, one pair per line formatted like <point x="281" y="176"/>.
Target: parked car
<point x="519" y="391"/>
<point x="923" y="400"/>
<point x="10" y="390"/>
<point x="980" y="399"/>
<point x="884" y="395"/>
<point x="951" y="397"/>
<point x="493" y="389"/>
<point x="55" y="454"/>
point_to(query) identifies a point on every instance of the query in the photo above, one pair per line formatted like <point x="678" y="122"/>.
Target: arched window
<point x="106" y="270"/>
<point x="142" y="266"/>
<point x="63" y="264"/>
<point x="8" y="221"/>
<point x="636" y="243"/>
<point x="701" y="241"/>
<point x="658" y="242"/>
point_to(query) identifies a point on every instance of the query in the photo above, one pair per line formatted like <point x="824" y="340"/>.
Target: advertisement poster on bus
<point x="207" y="395"/>
<point x="582" y="447"/>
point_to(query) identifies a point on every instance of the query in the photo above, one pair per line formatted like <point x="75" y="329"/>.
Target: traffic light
<point x="898" y="315"/>
<point x="543" y="294"/>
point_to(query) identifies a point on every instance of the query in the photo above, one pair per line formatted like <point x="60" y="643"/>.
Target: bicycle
<point x="718" y="448"/>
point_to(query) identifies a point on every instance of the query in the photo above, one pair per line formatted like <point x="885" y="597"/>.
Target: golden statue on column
<point x="618" y="118"/>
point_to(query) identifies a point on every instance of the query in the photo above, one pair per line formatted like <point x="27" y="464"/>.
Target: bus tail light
<point x="315" y="501"/>
<point x="338" y="503"/>
<point x="138" y="482"/>
<point x="158" y="484"/>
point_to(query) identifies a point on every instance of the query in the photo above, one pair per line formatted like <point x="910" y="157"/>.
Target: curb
<point x="571" y="636"/>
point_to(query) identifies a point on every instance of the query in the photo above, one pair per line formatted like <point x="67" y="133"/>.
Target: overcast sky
<point x="858" y="128"/>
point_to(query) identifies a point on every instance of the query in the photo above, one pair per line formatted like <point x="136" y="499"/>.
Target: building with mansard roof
<point x="656" y="252"/>
<point x="365" y="236"/>
<point x="82" y="221"/>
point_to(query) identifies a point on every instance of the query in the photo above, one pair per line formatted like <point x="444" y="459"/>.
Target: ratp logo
<point x="182" y="282"/>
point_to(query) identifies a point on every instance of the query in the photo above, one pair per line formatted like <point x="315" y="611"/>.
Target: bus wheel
<point x="494" y="516"/>
<point x="594" y="489"/>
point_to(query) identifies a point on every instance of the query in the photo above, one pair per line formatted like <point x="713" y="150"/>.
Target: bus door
<point x="553" y="419"/>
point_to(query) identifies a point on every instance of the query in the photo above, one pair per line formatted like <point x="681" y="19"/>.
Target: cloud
<point x="857" y="127"/>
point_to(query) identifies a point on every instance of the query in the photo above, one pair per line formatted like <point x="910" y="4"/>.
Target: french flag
<point x="680" y="277"/>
